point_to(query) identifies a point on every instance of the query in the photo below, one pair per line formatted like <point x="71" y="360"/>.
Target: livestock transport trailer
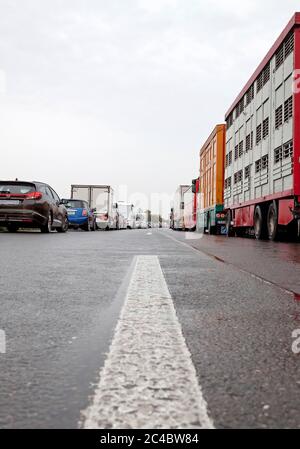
<point x="211" y="217"/>
<point x="262" y="161"/>
<point x="178" y="208"/>
<point x="101" y="198"/>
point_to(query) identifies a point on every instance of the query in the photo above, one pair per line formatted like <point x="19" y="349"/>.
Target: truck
<point x="262" y="158"/>
<point x="126" y="211"/>
<point x="101" y="199"/>
<point x="210" y="214"/>
<point x="178" y="207"/>
<point x="191" y="198"/>
<point x="141" y="219"/>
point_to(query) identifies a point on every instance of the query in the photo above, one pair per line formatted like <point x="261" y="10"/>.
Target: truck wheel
<point x="240" y="232"/>
<point x="211" y="229"/>
<point x="272" y="222"/>
<point x="229" y="229"/>
<point x="260" y="228"/>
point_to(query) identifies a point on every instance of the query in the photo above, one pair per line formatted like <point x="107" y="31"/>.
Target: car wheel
<point x="47" y="228"/>
<point x="64" y="225"/>
<point x="12" y="228"/>
<point x="87" y="226"/>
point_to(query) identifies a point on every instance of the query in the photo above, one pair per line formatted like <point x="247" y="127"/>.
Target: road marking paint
<point x="148" y="379"/>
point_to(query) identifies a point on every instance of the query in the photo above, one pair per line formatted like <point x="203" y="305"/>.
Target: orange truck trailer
<point x="210" y="216"/>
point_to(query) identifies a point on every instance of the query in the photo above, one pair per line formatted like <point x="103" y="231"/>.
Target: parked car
<point x="31" y="205"/>
<point x="80" y="215"/>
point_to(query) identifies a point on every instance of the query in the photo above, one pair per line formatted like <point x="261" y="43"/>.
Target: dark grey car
<point x="31" y="205"/>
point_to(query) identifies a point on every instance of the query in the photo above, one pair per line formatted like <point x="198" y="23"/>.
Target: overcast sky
<point x="123" y="92"/>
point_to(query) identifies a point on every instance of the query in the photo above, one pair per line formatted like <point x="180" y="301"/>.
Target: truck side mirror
<point x="194" y="185"/>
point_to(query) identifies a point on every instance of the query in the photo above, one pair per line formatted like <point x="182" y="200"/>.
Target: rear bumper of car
<point x="77" y="221"/>
<point x="22" y="217"/>
<point x="102" y="224"/>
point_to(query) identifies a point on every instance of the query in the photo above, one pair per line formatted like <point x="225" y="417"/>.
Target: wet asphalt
<point x="61" y="297"/>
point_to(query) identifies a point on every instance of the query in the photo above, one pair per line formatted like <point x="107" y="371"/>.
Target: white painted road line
<point x="148" y="379"/>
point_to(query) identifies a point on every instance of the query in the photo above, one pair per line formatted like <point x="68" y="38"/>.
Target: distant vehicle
<point x="171" y="225"/>
<point x="80" y="215"/>
<point x="101" y="199"/>
<point x="141" y="221"/>
<point x="178" y="208"/>
<point x="126" y="212"/>
<point x="31" y="205"/>
<point x="190" y="206"/>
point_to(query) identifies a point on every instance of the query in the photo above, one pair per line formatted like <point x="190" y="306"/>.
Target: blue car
<point x="80" y="215"/>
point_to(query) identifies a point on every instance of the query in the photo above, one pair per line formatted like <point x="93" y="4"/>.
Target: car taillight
<point x="84" y="213"/>
<point x="34" y="196"/>
<point x="218" y="215"/>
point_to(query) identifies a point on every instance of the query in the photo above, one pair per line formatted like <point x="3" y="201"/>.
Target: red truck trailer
<point x="190" y="206"/>
<point x="262" y="160"/>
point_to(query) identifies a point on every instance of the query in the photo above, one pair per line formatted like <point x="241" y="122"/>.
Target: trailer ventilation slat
<point x="289" y="45"/>
<point x="278" y="117"/>
<point x="288" y="109"/>
<point x="279" y="57"/>
<point x="258" y="134"/>
<point x="265" y="131"/>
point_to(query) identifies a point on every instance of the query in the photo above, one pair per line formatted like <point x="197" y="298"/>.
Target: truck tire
<point x="210" y="227"/>
<point x="240" y="232"/>
<point x="260" y="225"/>
<point x="272" y="222"/>
<point x="229" y="229"/>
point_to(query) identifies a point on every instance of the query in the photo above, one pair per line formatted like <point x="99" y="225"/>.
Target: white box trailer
<point x="178" y="208"/>
<point x="100" y="198"/>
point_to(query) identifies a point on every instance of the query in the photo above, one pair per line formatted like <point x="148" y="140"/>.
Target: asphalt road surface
<point x="92" y="337"/>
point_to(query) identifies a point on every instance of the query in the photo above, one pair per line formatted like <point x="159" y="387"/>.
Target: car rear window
<point x="77" y="204"/>
<point x="16" y="187"/>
